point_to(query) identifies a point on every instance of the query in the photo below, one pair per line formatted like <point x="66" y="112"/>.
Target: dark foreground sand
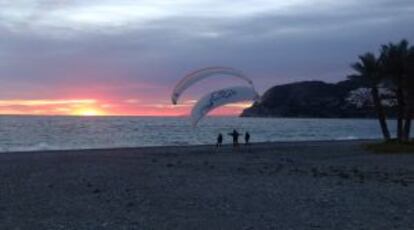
<point x="303" y="185"/>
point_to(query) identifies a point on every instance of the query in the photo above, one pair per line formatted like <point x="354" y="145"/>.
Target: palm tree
<point x="369" y="73"/>
<point x="394" y="62"/>
<point x="409" y="92"/>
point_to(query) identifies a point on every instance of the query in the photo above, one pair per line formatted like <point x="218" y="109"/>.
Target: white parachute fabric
<point x="219" y="98"/>
<point x="201" y="74"/>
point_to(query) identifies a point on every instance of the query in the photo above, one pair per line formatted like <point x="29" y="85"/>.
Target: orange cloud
<point x="49" y="106"/>
<point x="103" y="107"/>
<point x="44" y="102"/>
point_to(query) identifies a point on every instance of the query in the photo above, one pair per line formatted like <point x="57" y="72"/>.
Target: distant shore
<point x="277" y="185"/>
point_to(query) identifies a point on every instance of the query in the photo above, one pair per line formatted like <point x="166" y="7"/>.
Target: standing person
<point x="235" y="136"/>
<point x="247" y="138"/>
<point x="219" y="140"/>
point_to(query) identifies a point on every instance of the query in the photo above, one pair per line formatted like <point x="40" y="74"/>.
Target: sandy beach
<point x="296" y="185"/>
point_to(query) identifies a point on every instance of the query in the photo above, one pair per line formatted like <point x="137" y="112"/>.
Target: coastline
<point x="277" y="185"/>
<point x="201" y="147"/>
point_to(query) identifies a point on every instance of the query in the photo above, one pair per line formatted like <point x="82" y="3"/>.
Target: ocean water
<point x="28" y="133"/>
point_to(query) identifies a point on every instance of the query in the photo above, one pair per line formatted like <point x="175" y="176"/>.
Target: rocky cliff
<point x="308" y="99"/>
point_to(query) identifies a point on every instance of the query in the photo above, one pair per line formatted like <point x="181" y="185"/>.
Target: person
<point x="247" y="138"/>
<point x="235" y="136"/>
<point x="219" y="140"/>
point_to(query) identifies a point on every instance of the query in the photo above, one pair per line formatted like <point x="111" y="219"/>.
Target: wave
<point x="61" y="133"/>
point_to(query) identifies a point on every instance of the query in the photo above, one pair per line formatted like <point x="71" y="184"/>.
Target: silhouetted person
<point x="247" y="138"/>
<point x="235" y="136"/>
<point x="219" y="140"/>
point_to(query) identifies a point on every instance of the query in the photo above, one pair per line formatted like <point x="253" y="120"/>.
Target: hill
<point x="309" y="99"/>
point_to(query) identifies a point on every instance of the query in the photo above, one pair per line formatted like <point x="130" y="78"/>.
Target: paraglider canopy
<point x="219" y="98"/>
<point x="201" y="74"/>
<point x="216" y="98"/>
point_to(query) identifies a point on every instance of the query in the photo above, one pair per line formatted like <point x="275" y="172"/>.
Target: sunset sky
<point x="115" y="57"/>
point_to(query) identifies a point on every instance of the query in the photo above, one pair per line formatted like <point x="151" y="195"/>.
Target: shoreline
<point x="201" y="146"/>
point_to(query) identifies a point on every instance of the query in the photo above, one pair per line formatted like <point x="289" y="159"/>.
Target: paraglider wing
<point x="219" y="98"/>
<point x="198" y="75"/>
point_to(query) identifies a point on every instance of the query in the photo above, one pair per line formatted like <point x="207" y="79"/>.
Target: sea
<point x="35" y="133"/>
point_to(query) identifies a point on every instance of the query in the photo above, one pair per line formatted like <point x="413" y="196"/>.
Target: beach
<point x="278" y="185"/>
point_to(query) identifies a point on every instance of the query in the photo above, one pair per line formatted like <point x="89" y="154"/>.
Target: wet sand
<point x="297" y="185"/>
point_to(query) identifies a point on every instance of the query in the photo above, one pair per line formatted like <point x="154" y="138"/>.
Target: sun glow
<point x="88" y="112"/>
<point x="105" y="107"/>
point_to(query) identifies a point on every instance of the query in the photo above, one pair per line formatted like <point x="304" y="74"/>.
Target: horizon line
<point x="108" y="115"/>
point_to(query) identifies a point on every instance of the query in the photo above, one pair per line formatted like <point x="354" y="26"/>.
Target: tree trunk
<point x="381" y="114"/>
<point x="407" y="129"/>
<point x="401" y="108"/>
<point x="408" y="115"/>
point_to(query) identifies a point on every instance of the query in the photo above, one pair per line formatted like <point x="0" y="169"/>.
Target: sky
<point x="115" y="57"/>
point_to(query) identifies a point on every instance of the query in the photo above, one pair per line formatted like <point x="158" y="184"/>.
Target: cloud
<point x="138" y="50"/>
<point x="45" y="102"/>
<point x="74" y="14"/>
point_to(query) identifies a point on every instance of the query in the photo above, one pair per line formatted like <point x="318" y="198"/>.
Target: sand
<point x="300" y="185"/>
